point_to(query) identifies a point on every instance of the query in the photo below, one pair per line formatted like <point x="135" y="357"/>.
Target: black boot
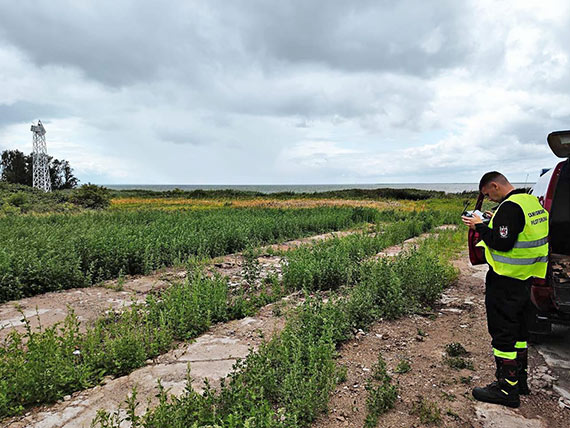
<point x="522" y="371"/>
<point x="505" y="391"/>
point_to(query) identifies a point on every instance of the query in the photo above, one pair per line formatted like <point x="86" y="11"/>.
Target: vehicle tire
<point x="539" y="327"/>
<point x="537" y="338"/>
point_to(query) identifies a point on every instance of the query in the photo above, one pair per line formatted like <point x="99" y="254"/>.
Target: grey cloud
<point x="532" y="130"/>
<point x="226" y="86"/>
<point x="197" y="128"/>
<point x="24" y="111"/>
<point x="233" y="56"/>
<point x="376" y="101"/>
<point x="121" y="43"/>
<point x="115" y="43"/>
<point x="358" y="36"/>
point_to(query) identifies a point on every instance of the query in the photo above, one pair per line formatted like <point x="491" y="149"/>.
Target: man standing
<point x="516" y="249"/>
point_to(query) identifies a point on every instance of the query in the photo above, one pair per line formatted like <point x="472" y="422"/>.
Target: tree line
<point x="17" y="168"/>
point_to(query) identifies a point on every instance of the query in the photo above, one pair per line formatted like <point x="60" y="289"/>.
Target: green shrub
<point x="458" y="363"/>
<point x="455" y="356"/>
<point x="455" y="349"/>
<point x="18" y="199"/>
<point x="336" y="262"/>
<point x="8" y="210"/>
<point x="190" y="308"/>
<point x="38" y="367"/>
<point x="423" y="276"/>
<point x="403" y="366"/>
<point x="30" y="199"/>
<point x="91" y="196"/>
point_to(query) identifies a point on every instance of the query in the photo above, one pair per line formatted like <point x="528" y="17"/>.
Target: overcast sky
<point x="287" y="92"/>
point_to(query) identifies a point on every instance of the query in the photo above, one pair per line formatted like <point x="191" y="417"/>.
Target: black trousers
<point x="508" y="305"/>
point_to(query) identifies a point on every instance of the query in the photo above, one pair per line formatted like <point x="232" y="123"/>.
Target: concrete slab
<point x="19" y="320"/>
<point x="493" y="416"/>
<point x="210" y="348"/>
<point x="555" y="349"/>
<point x="210" y="357"/>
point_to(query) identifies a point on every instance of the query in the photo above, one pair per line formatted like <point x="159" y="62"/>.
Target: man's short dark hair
<point x="490" y="177"/>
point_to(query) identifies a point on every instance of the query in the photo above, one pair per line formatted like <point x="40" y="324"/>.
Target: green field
<point x="137" y="235"/>
<point x="55" y="251"/>
<point x="60" y="251"/>
<point x="40" y="366"/>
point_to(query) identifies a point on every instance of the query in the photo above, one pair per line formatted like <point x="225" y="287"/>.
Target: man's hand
<point x="471" y="221"/>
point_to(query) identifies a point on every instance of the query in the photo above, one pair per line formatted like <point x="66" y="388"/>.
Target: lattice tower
<point x="41" y="161"/>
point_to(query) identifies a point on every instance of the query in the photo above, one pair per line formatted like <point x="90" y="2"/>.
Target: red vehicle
<point x="550" y="296"/>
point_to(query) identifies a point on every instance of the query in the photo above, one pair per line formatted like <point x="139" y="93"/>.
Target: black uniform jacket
<point x="508" y="222"/>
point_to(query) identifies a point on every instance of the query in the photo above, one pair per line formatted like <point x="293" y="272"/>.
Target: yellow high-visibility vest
<point x="529" y="256"/>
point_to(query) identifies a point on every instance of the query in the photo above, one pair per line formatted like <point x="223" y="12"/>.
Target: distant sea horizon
<point x="306" y="188"/>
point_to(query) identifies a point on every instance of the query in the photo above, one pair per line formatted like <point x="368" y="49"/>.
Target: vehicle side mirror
<point x="559" y="143"/>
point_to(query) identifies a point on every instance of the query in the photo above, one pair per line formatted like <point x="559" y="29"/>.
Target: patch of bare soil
<point x="88" y="303"/>
<point x="421" y="340"/>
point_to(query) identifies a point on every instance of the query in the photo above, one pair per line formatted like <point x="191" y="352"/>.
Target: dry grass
<point x="165" y="203"/>
<point x="183" y="203"/>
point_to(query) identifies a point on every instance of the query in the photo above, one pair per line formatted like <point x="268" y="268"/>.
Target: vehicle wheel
<point x="537" y="338"/>
<point x="539" y="326"/>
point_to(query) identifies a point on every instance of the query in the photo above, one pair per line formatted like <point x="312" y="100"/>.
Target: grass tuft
<point x="403" y="366"/>
<point x="428" y="411"/>
<point x="381" y="394"/>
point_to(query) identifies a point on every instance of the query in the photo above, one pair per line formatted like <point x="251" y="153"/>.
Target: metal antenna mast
<point x="40" y="157"/>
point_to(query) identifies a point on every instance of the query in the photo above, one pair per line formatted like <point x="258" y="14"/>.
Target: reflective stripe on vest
<point x="529" y="255"/>
<point x="512" y="261"/>
<point x="531" y="244"/>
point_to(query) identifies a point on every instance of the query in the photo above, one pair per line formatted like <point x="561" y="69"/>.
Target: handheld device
<point x="479" y="213"/>
<point x="484" y="216"/>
